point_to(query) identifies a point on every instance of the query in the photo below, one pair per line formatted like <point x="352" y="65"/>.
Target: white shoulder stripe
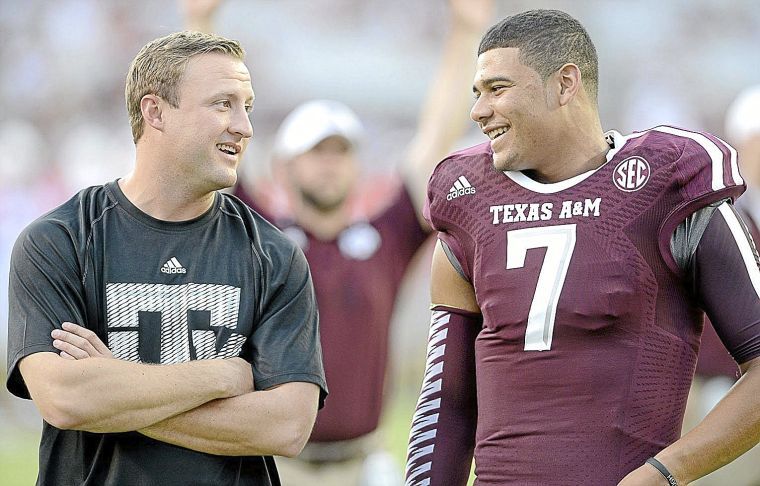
<point x="744" y="245"/>
<point x="734" y="162"/>
<point x="710" y="147"/>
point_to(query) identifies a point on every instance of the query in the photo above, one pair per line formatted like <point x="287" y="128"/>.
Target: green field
<point x="18" y="457"/>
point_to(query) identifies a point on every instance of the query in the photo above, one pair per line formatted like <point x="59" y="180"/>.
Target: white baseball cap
<point x="312" y="122"/>
<point x="743" y="116"/>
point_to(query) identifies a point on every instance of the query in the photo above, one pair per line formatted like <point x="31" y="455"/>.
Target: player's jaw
<point x="502" y="141"/>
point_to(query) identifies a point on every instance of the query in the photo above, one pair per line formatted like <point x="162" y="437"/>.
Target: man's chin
<point x="322" y="204"/>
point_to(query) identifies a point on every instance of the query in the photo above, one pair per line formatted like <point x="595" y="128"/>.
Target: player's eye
<point x="224" y="103"/>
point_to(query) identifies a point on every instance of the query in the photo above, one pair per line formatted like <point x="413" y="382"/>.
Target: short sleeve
<point x="45" y="289"/>
<point x="286" y="344"/>
<point x="449" y="233"/>
<point x="705" y="172"/>
<point x="727" y="283"/>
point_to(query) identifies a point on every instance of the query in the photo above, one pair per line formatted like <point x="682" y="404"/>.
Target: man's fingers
<point x="70" y="349"/>
<point x="94" y="341"/>
<point x="75" y="341"/>
<point x="66" y="355"/>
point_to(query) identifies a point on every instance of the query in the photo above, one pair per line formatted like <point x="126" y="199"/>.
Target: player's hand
<point x="77" y="342"/>
<point x="644" y="475"/>
<point x="472" y="14"/>
<point x="240" y="375"/>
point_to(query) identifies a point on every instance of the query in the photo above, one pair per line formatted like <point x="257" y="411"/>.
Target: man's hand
<point x="77" y="342"/>
<point x="198" y="14"/>
<point x="472" y="14"/>
<point x="644" y="475"/>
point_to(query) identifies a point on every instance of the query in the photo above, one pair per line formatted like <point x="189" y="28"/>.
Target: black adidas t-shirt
<point x="222" y="285"/>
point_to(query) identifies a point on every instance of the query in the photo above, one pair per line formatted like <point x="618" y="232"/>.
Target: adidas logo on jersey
<point x="173" y="266"/>
<point x="461" y="187"/>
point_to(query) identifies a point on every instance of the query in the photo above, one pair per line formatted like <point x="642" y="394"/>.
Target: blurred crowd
<point x="63" y="123"/>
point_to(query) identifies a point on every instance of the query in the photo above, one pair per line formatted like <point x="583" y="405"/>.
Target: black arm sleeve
<point x="726" y="281"/>
<point x="442" y="438"/>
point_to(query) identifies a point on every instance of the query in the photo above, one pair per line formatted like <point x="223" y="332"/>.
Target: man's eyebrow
<point x="496" y="79"/>
<point x="492" y="80"/>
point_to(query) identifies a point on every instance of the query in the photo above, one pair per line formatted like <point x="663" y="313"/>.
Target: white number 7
<point x="560" y="243"/>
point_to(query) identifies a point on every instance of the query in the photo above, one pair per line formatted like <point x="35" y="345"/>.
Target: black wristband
<point x="663" y="470"/>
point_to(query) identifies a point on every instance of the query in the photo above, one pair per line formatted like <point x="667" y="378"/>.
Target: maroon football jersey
<point x="589" y="337"/>
<point x="356" y="277"/>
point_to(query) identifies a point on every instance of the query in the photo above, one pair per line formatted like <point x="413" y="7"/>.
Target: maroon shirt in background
<point x="356" y="279"/>
<point x="611" y="388"/>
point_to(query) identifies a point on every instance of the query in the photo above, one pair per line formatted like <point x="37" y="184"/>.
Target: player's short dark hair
<point x="547" y="40"/>
<point x="159" y="66"/>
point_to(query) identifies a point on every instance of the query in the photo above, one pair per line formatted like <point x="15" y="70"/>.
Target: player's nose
<point x="241" y="124"/>
<point x="481" y="111"/>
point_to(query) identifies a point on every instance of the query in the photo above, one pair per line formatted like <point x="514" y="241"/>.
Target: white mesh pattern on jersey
<point x="425" y="420"/>
<point x="124" y="302"/>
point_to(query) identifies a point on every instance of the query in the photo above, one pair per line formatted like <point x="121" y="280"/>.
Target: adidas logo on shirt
<point x="461" y="187"/>
<point x="173" y="266"/>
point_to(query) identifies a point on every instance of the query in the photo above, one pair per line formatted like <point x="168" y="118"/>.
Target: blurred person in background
<point x="213" y="362"/>
<point x="358" y="265"/>
<point x="716" y="370"/>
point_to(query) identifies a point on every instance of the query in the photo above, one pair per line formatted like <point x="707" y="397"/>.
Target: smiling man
<point x="167" y="333"/>
<point x="569" y="286"/>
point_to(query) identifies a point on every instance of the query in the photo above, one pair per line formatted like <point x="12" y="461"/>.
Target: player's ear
<point x="151" y="107"/>
<point x="568" y="83"/>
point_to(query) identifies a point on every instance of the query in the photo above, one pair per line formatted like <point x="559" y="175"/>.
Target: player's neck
<point x="163" y="199"/>
<point x="577" y="149"/>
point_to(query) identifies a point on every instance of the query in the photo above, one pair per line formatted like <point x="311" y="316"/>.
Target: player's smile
<point x="230" y="151"/>
<point x="498" y="137"/>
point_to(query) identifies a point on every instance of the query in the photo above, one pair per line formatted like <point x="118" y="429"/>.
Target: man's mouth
<point x="497" y="132"/>
<point x="230" y="149"/>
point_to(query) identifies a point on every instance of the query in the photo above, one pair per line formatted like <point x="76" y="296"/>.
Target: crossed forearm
<point x="271" y="422"/>
<point x="109" y="395"/>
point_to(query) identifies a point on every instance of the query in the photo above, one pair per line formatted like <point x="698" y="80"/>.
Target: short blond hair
<point x="158" y="68"/>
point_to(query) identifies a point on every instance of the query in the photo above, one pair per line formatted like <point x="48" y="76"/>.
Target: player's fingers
<point x="89" y="335"/>
<point x="70" y="349"/>
<point x="66" y="355"/>
<point x="76" y="341"/>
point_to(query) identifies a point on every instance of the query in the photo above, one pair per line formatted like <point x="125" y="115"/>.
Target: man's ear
<point x="152" y="107"/>
<point x="569" y="82"/>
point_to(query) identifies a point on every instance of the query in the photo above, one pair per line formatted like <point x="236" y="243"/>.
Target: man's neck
<point x="324" y="225"/>
<point x="163" y="199"/>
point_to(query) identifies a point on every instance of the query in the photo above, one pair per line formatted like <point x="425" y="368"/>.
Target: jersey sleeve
<point x="435" y="212"/>
<point x="727" y="283"/>
<point x="285" y="344"/>
<point x="45" y="289"/>
<point x="705" y="171"/>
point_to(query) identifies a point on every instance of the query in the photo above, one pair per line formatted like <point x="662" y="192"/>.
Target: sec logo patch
<point x="631" y="174"/>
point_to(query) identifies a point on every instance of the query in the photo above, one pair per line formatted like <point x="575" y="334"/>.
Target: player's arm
<point x="726" y="280"/>
<point x="443" y="117"/>
<point x="277" y="421"/>
<point x="108" y="395"/>
<point x="442" y="435"/>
